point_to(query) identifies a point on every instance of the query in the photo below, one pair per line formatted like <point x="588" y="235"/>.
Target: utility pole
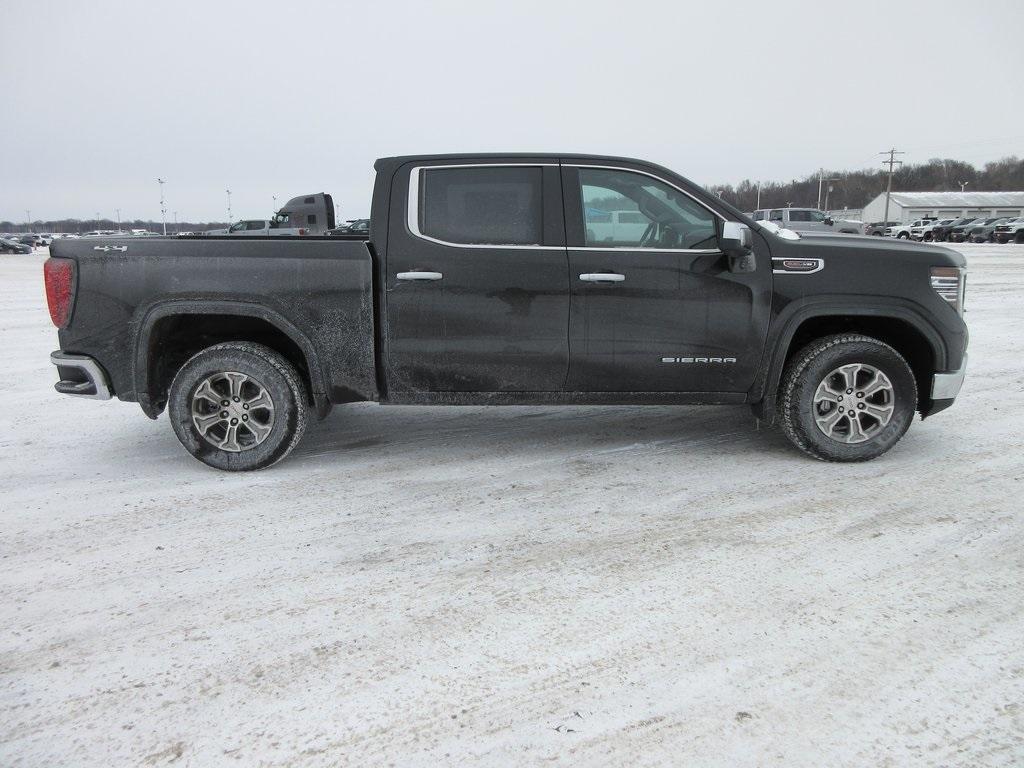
<point x="28" y="221"/>
<point x="118" y="220"/>
<point x="175" y="222"/>
<point x="962" y="185"/>
<point x="229" y="206"/>
<point x="891" y="162"/>
<point x="828" y="189"/>
<point x="163" y="207"/>
<point x="758" y="206"/>
<point x="821" y="175"/>
<point x="97" y="221"/>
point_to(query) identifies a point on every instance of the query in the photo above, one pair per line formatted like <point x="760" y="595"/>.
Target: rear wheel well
<point x="176" y="338"/>
<point x="898" y="334"/>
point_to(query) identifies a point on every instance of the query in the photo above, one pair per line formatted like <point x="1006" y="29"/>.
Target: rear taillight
<point x="302" y="231"/>
<point x="59" y="277"/>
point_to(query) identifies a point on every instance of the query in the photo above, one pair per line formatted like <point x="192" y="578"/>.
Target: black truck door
<point x="476" y="281"/>
<point x="654" y="306"/>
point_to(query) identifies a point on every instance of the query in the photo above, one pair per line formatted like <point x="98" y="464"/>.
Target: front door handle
<point x="602" y="277"/>
<point x="419" y="275"/>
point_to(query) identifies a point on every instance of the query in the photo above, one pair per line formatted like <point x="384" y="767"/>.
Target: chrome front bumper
<point x="946" y="386"/>
<point x="80" y="376"/>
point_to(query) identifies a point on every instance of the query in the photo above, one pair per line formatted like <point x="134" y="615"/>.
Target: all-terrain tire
<point x="265" y="376"/>
<point x="807" y="372"/>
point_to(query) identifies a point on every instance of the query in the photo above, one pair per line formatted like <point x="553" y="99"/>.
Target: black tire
<point x="264" y="370"/>
<point x="903" y="236"/>
<point x="1019" y="239"/>
<point x="811" y="366"/>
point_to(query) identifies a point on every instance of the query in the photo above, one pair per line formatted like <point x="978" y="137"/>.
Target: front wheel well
<point x="898" y="334"/>
<point x="176" y="338"/>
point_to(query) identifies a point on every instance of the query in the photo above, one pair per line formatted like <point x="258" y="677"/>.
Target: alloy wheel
<point x="232" y="411"/>
<point x="854" y="403"/>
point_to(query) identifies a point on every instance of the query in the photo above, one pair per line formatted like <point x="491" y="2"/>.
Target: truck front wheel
<point x="847" y="398"/>
<point x="237" y="406"/>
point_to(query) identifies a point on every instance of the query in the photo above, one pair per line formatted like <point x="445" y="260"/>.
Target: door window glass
<point x="622" y="209"/>
<point x="481" y="206"/>
<point x="775" y="215"/>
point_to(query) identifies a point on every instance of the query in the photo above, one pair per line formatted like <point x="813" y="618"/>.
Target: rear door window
<point x="481" y="205"/>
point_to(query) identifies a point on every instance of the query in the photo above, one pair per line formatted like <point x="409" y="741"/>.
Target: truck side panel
<point x="317" y="292"/>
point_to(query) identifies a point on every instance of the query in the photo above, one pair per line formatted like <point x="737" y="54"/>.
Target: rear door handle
<point x="419" y="275"/>
<point x="602" y="277"/>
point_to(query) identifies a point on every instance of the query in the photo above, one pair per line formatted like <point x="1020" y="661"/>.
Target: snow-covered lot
<point x="452" y="586"/>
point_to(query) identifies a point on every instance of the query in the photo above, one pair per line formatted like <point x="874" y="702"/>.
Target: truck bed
<point x="318" y="291"/>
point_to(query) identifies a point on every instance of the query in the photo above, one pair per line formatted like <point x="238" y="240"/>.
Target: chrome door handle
<point x="602" y="277"/>
<point x="419" y="275"/>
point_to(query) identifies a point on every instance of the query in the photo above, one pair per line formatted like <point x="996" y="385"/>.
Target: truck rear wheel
<point x="847" y="398"/>
<point x="238" y="406"/>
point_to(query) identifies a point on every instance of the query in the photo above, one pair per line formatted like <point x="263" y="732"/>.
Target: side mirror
<point x="737" y="243"/>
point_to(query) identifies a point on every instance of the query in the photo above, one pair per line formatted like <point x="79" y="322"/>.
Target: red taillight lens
<point x="59" y="277"/>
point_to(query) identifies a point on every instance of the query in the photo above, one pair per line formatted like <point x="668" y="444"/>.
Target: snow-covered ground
<point x="513" y="586"/>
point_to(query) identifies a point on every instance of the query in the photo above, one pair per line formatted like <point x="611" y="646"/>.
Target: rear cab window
<point x="479" y="205"/>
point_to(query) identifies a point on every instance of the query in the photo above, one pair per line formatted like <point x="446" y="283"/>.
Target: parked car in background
<point x="902" y="231"/>
<point x="983" y="234"/>
<point x="877" y="228"/>
<point x="959" y="233"/>
<point x="926" y="232"/>
<point x="1010" y="232"/>
<point x="13" y="246"/>
<point x="941" y="233"/>
<point x="30" y="239"/>
<point x="807" y="220"/>
<point x="352" y="227"/>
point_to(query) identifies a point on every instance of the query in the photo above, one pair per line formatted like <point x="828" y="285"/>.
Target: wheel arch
<point x="898" y="326"/>
<point x="171" y="332"/>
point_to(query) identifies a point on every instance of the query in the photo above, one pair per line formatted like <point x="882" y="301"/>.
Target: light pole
<point x="962" y="185"/>
<point x="118" y="220"/>
<point x="28" y="221"/>
<point x="758" y="206"/>
<point x="175" y="222"/>
<point x="229" y="206"/>
<point x="163" y="207"/>
<point x="97" y="221"/>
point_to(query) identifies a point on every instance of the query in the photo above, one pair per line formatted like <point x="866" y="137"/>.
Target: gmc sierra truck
<point x="483" y="280"/>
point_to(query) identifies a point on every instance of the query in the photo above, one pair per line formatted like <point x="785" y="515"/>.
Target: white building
<point x="907" y="206"/>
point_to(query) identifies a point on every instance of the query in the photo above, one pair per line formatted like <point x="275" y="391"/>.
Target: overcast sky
<point x="285" y="98"/>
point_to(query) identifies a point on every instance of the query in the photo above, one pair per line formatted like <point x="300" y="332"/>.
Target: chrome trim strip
<point x="637" y="249"/>
<point x="821" y="265"/>
<point x="412" y="221"/>
<point x="946" y="386"/>
<point x="91" y="369"/>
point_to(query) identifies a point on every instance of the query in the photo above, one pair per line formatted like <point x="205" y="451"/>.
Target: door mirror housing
<point x="737" y="243"/>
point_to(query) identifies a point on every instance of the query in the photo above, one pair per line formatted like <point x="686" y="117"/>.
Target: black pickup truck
<point x="509" y="279"/>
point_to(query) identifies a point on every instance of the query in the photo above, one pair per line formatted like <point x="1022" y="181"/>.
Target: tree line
<point x="855" y="189"/>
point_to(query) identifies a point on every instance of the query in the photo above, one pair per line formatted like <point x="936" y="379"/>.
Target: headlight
<point x="949" y="283"/>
